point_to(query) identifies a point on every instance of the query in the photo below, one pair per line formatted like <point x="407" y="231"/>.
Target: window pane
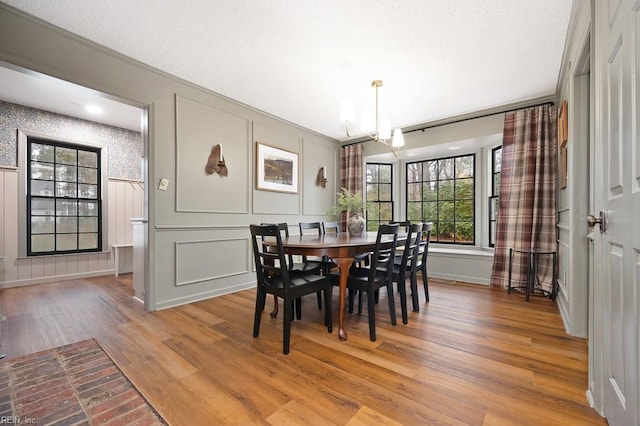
<point x="372" y="192"/>
<point x="430" y="212"/>
<point x="464" y="188"/>
<point x="87" y="191"/>
<point x="431" y="171"/>
<point x="464" y="210"/>
<point x="87" y="175"/>
<point x="88" y="224"/>
<point x="88" y="241"/>
<point x="41" y="171"/>
<point x="42" y="243"/>
<point x="372" y="173"/>
<point x="65" y="242"/>
<point x="87" y="208"/>
<point x="446" y="232"/>
<point x="464" y="166"/>
<point x="385" y="212"/>
<point x="414" y="172"/>
<point x="42" y="152"/>
<point x="385" y="173"/>
<point x="445" y="210"/>
<point x="66" y="225"/>
<point x="88" y="159"/>
<point x="497" y="160"/>
<point x="430" y="191"/>
<point x="66" y="173"/>
<point x="385" y="192"/>
<point x="464" y="232"/>
<point x="42" y="225"/>
<point x="66" y="208"/>
<point x="413" y="192"/>
<point x="446" y="190"/>
<point x="66" y="189"/>
<point x="42" y="187"/>
<point x="41" y="206"/>
<point x="445" y="169"/>
<point x="496" y="184"/>
<point x="66" y="156"/>
<point x="414" y="212"/>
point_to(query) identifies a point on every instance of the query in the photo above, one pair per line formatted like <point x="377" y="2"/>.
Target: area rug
<point x="69" y="385"/>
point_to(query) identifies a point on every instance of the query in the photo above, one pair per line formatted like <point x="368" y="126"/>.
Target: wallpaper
<point x="125" y="146"/>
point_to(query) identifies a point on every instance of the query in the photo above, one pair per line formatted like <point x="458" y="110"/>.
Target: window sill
<point x="461" y="251"/>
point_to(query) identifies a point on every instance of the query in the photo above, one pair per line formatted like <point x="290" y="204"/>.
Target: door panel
<point x="620" y="199"/>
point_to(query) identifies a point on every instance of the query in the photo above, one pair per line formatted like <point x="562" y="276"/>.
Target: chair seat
<point x="362" y="274"/>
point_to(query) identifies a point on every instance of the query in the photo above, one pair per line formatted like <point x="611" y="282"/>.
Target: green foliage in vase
<point x="348" y="202"/>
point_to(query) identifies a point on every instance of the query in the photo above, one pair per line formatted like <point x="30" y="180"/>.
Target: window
<point x="442" y="191"/>
<point x="379" y="195"/>
<point x="63" y="204"/>
<point x="496" y="164"/>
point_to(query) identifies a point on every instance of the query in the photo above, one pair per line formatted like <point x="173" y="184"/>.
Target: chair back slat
<point x="412" y="246"/>
<point x="424" y="242"/>
<point x="304" y="226"/>
<point x="330" y="227"/>
<point x="382" y="258"/>
<point x="270" y="260"/>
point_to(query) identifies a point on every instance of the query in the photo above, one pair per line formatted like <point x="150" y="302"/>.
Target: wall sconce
<point x="321" y="179"/>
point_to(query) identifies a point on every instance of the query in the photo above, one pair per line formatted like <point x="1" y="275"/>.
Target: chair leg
<point x="403" y="300"/>
<point x="392" y="303"/>
<point x="319" y="297"/>
<point x="414" y="292"/>
<point x="425" y="283"/>
<point x="359" y="302"/>
<point x="372" y="315"/>
<point x="260" y="301"/>
<point x="286" y="329"/>
<point x="351" y="297"/>
<point x="298" y="309"/>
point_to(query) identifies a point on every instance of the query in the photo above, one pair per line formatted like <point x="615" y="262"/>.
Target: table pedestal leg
<point x="344" y="263"/>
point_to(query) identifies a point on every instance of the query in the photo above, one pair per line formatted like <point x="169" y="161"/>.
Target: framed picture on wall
<point x="276" y="169"/>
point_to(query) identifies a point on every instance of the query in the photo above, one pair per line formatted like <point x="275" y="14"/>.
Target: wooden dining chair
<point x="274" y="277"/>
<point x="422" y="264"/>
<point x="295" y="267"/>
<point x="378" y="274"/>
<point x="405" y="265"/>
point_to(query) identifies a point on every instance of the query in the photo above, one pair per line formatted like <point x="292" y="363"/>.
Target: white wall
<point x="573" y="291"/>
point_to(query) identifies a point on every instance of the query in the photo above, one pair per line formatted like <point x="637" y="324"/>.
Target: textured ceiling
<point x="297" y="59"/>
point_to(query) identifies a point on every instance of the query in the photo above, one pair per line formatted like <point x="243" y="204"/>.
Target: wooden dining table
<point x="342" y="249"/>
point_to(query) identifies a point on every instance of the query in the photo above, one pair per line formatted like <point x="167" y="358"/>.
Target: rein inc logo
<point x="17" y="420"/>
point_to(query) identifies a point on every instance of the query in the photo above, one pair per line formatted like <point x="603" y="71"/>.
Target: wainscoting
<point x="125" y="200"/>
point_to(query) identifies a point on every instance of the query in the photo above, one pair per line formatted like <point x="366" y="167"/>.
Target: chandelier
<point x="379" y="131"/>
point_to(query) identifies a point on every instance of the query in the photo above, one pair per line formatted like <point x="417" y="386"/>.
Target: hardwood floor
<point x="471" y="356"/>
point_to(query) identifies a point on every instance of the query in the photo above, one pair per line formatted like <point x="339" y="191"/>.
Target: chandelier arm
<point x="346" y="128"/>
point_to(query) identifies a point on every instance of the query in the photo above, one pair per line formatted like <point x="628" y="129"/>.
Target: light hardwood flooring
<point x="471" y="356"/>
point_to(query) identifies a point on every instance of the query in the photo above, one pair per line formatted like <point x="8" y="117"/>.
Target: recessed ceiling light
<point x="411" y="154"/>
<point x="94" y="109"/>
<point x="454" y="148"/>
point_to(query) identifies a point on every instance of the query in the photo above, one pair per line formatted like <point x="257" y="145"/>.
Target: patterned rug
<point x="69" y="385"/>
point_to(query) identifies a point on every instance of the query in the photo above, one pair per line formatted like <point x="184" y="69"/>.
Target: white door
<point x="618" y="194"/>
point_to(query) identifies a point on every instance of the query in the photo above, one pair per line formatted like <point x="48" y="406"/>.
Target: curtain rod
<point x="459" y="120"/>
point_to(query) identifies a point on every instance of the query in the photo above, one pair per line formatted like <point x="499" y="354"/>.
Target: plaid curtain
<point x="350" y="173"/>
<point x="526" y="217"/>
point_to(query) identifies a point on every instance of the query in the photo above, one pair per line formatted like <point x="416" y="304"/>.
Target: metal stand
<point x="530" y="288"/>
